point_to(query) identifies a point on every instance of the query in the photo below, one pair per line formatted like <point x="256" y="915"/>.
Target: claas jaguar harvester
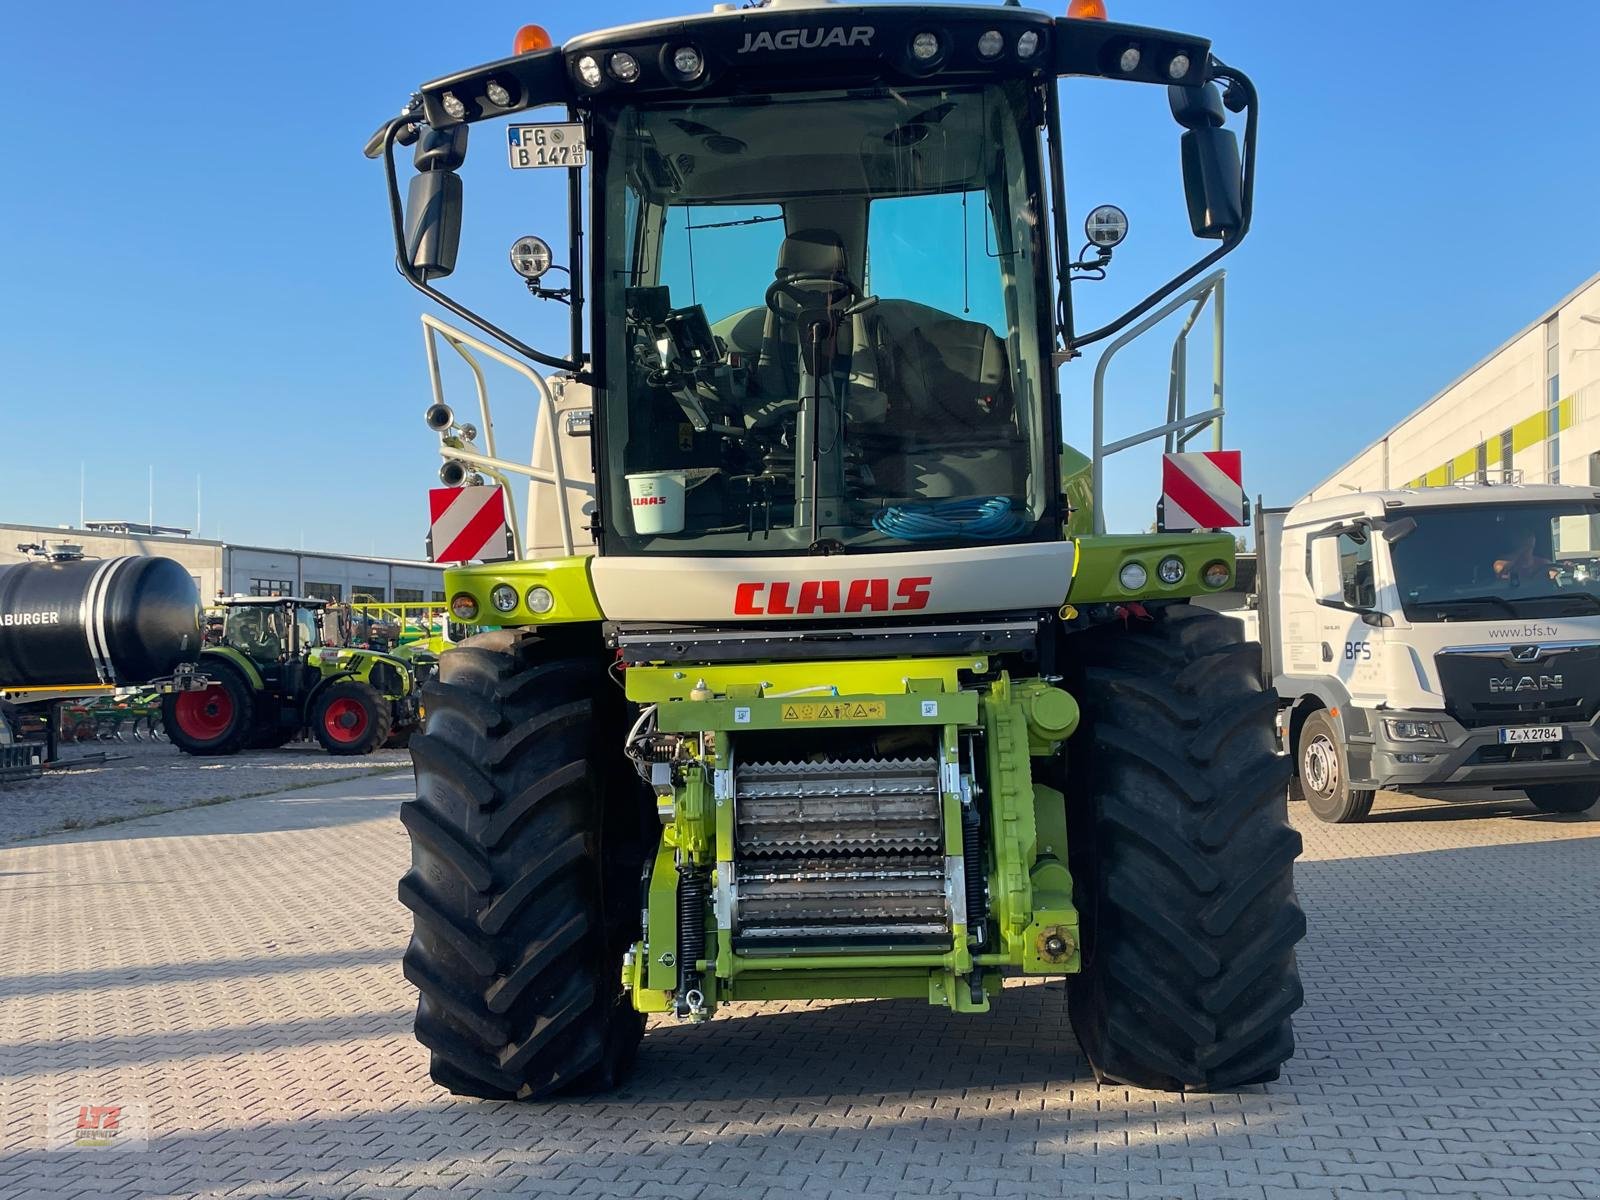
<point x="816" y="675"/>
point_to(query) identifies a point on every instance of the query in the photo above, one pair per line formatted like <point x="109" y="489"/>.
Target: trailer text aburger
<point x="814" y="677"/>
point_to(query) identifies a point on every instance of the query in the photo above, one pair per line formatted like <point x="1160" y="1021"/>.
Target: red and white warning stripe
<point x="1202" y="490"/>
<point x="467" y="523"/>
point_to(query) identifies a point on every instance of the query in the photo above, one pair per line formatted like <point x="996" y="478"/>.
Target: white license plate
<point x="551" y="145"/>
<point x="1531" y="733"/>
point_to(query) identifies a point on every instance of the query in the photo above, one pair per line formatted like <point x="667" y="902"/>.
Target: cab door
<point x="1346" y="577"/>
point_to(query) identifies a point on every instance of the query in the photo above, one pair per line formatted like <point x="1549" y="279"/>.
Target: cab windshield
<point x="1483" y="561"/>
<point x="836" y="323"/>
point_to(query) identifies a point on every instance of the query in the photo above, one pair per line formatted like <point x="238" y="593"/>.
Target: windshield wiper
<point x="1502" y="601"/>
<point x="1590" y="601"/>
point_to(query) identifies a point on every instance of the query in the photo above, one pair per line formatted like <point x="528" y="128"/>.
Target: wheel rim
<point x="1321" y="766"/>
<point x="345" y="720"/>
<point x="205" y="715"/>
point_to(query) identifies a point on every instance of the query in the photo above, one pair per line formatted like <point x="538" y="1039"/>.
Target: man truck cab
<point x="1436" y="639"/>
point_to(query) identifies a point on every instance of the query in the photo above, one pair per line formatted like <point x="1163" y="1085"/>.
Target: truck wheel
<point x="1325" y="774"/>
<point x="350" y="718"/>
<point x="1564" y="797"/>
<point x="1183" y="859"/>
<point x="217" y="720"/>
<point x="515" y="950"/>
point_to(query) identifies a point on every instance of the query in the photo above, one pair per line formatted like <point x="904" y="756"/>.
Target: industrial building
<point x="220" y="568"/>
<point x="1530" y="412"/>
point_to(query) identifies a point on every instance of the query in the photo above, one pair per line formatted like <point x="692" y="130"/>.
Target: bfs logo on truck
<point x="823" y="597"/>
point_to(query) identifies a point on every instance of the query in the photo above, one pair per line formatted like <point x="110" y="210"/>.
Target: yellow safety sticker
<point x="836" y="710"/>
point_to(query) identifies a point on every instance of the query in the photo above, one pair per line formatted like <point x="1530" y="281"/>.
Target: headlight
<point x="463" y="607"/>
<point x="1414" y="731"/>
<point x="1133" y="576"/>
<point x="991" y="43"/>
<point x="1130" y="59"/>
<point x="1178" y="67"/>
<point x="1216" y="574"/>
<point x="625" y="66"/>
<point x="925" y="47"/>
<point x="686" y="61"/>
<point x="589" y="71"/>
<point x="453" y="106"/>
<point x="540" y="600"/>
<point x="1170" y="570"/>
<point x="1028" y="44"/>
<point x="503" y="597"/>
<point x="499" y="95"/>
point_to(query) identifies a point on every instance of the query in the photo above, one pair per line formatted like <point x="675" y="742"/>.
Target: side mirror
<point x="1322" y="555"/>
<point x="1395" y="531"/>
<point x="433" y="202"/>
<point x="1211" y="182"/>
<point x="1211" y="174"/>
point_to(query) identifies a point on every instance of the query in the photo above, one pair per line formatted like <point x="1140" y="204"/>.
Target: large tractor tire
<point x="1183" y="859"/>
<point x="527" y="842"/>
<point x="1564" y="797"/>
<point x="216" y="721"/>
<point x="1324" y="774"/>
<point x="351" y="718"/>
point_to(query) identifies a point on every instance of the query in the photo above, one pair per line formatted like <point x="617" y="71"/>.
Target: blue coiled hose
<point x="987" y="519"/>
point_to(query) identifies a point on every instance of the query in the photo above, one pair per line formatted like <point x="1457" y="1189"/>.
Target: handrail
<point x="1180" y="428"/>
<point x="491" y="463"/>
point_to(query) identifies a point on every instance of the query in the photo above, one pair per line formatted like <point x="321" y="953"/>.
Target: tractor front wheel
<point x="350" y="718"/>
<point x="217" y="720"/>
<point x="1183" y="859"/>
<point x="515" y="950"/>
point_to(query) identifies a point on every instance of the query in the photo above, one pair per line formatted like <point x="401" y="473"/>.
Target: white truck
<point x="1435" y="639"/>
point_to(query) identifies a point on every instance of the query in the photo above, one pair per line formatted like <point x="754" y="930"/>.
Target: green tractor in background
<point x="280" y="665"/>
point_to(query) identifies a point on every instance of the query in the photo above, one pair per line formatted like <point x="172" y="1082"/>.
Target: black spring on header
<point x="693" y="891"/>
<point x="977" y="876"/>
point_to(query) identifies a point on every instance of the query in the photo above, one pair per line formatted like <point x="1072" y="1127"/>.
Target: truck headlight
<point x="1414" y="731"/>
<point x="1133" y="576"/>
<point x="540" y="600"/>
<point x="504" y="597"/>
<point x="1170" y="570"/>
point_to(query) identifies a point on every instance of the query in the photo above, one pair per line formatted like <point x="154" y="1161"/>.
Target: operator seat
<point x="770" y="344"/>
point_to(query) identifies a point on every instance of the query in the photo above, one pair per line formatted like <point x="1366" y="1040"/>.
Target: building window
<point x="324" y="591"/>
<point x="408" y="595"/>
<point x="272" y="587"/>
<point x="366" y="594"/>
<point x="1483" y="462"/>
<point x="1505" y="451"/>
<point x="438" y="598"/>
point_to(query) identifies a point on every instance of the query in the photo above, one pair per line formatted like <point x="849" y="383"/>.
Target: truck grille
<point x="839" y="855"/>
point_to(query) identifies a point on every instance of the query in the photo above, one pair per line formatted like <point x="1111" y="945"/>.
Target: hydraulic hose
<point x="988" y="519"/>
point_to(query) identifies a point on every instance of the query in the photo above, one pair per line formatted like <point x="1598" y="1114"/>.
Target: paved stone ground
<point x="101" y="782"/>
<point x="230" y="976"/>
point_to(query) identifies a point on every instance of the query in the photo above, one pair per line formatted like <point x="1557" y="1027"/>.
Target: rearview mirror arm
<point x="1241" y="93"/>
<point x="402" y="259"/>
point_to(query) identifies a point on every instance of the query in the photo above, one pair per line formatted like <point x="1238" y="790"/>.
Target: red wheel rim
<point x="205" y="715"/>
<point x="345" y="720"/>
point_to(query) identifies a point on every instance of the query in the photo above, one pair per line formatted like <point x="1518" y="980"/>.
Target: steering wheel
<point x="809" y="297"/>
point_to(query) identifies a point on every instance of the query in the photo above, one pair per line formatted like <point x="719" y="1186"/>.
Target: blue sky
<point x="199" y="273"/>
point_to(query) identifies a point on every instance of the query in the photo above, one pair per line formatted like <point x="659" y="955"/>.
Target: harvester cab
<point x="896" y="716"/>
